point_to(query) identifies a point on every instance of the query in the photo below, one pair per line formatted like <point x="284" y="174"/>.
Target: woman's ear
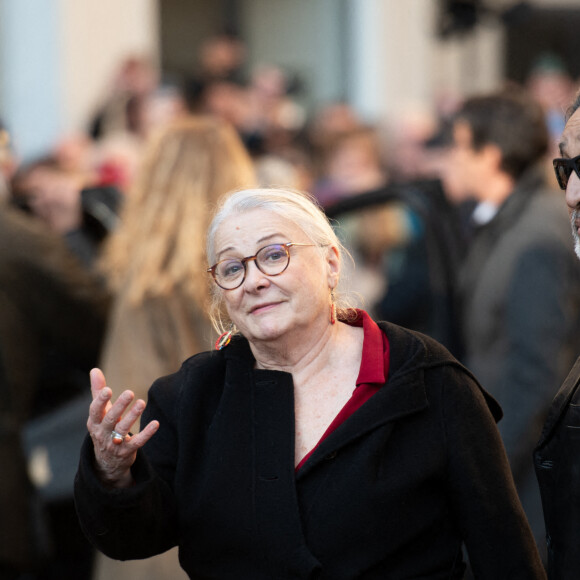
<point x="333" y="261"/>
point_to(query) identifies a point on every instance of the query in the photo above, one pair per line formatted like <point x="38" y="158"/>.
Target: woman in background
<point x="155" y="265"/>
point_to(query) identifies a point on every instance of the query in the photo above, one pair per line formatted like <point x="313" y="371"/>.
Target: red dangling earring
<point x="224" y="339"/>
<point x="332" y="308"/>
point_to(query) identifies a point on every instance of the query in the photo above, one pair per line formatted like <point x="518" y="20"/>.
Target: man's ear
<point x="333" y="261"/>
<point x="492" y="155"/>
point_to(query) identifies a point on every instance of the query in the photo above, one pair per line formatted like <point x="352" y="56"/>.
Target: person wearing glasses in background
<point x="557" y="455"/>
<point x="519" y="284"/>
<point x="313" y="442"/>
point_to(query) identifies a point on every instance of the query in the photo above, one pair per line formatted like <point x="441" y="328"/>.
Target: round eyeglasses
<point x="271" y="260"/>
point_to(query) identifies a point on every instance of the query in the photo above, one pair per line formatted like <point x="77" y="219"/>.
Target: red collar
<point x="374" y="366"/>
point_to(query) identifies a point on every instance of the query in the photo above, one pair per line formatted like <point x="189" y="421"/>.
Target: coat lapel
<point x="560" y="402"/>
<point x="393" y="401"/>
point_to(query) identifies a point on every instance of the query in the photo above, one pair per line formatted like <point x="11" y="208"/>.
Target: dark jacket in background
<point x="557" y="462"/>
<point x="520" y="288"/>
<point x="100" y="212"/>
<point x="420" y="273"/>
<point x="392" y="492"/>
<point x="52" y="317"/>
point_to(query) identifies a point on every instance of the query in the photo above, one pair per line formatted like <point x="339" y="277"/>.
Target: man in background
<point x="519" y="283"/>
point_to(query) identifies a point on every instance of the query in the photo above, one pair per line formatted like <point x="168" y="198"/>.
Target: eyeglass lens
<point x="563" y="169"/>
<point x="271" y="260"/>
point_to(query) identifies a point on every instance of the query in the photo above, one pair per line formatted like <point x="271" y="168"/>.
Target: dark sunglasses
<point x="564" y="167"/>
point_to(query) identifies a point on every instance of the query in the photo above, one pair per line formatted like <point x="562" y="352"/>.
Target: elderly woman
<point x="312" y="443"/>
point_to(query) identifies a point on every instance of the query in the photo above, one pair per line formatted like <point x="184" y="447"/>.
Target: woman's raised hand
<point x="109" y="425"/>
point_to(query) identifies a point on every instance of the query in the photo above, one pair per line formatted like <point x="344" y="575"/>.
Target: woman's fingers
<point x="117" y="410"/>
<point x="144" y="435"/>
<point x="101" y="397"/>
<point x="118" y="420"/>
<point x="98" y="381"/>
<point x="99" y="406"/>
<point x="109" y="425"/>
<point x="130" y="443"/>
<point x="125" y="423"/>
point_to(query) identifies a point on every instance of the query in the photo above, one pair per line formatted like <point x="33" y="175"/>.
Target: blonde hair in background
<point x="299" y="208"/>
<point x="159" y="243"/>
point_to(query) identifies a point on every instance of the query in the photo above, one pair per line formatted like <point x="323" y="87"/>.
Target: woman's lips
<point x="263" y="307"/>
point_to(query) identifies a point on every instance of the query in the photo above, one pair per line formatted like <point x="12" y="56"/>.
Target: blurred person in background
<point x="557" y="454"/>
<point x="155" y="266"/>
<point x="274" y="115"/>
<point x="291" y="170"/>
<point x="263" y="111"/>
<point x="136" y="105"/>
<point x="161" y="107"/>
<point x="228" y="101"/>
<point x="551" y="85"/>
<point x="331" y="119"/>
<point x="135" y="78"/>
<point x="519" y="283"/>
<point x="405" y="238"/>
<point x="221" y="59"/>
<point x="68" y="203"/>
<point x="352" y="163"/>
<point x="44" y="355"/>
<point x="408" y="135"/>
<point x="117" y="155"/>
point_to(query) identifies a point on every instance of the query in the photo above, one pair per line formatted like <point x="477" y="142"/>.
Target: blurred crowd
<point x="105" y="234"/>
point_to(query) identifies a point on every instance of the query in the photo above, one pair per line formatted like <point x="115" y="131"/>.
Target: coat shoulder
<point x="412" y="351"/>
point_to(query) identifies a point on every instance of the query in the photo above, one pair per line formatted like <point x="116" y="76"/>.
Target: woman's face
<point x="267" y="307"/>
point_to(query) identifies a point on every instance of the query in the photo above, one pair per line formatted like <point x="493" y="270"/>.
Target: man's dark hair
<point x="513" y="121"/>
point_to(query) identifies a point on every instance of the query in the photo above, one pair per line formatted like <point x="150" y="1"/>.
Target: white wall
<point x="57" y="58"/>
<point x="300" y="35"/>
<point x="30" y="72"/>
<point x="95" y="36"/>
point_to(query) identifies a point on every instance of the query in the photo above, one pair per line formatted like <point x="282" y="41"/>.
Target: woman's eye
<point x="230" y="269"/>
<point x="274" y="255"/>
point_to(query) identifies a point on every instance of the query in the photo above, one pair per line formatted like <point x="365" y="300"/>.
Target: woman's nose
<point x="255" y="278"/>
<point x="573" y="192"/>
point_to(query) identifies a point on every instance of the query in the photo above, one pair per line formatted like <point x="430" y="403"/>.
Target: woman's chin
<point x="265" y="331"/>
<point x="266" y="334"/>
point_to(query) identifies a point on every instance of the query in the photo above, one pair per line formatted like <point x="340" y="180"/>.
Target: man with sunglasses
<point x="520" y="299"/>
<point x="557" y="455"/>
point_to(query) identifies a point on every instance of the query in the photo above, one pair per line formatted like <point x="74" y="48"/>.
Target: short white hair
<point x="297" y="207"/>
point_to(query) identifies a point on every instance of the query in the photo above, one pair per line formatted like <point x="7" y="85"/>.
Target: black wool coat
<point x="392" y="493"/>
<point x="557" y="463"/>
